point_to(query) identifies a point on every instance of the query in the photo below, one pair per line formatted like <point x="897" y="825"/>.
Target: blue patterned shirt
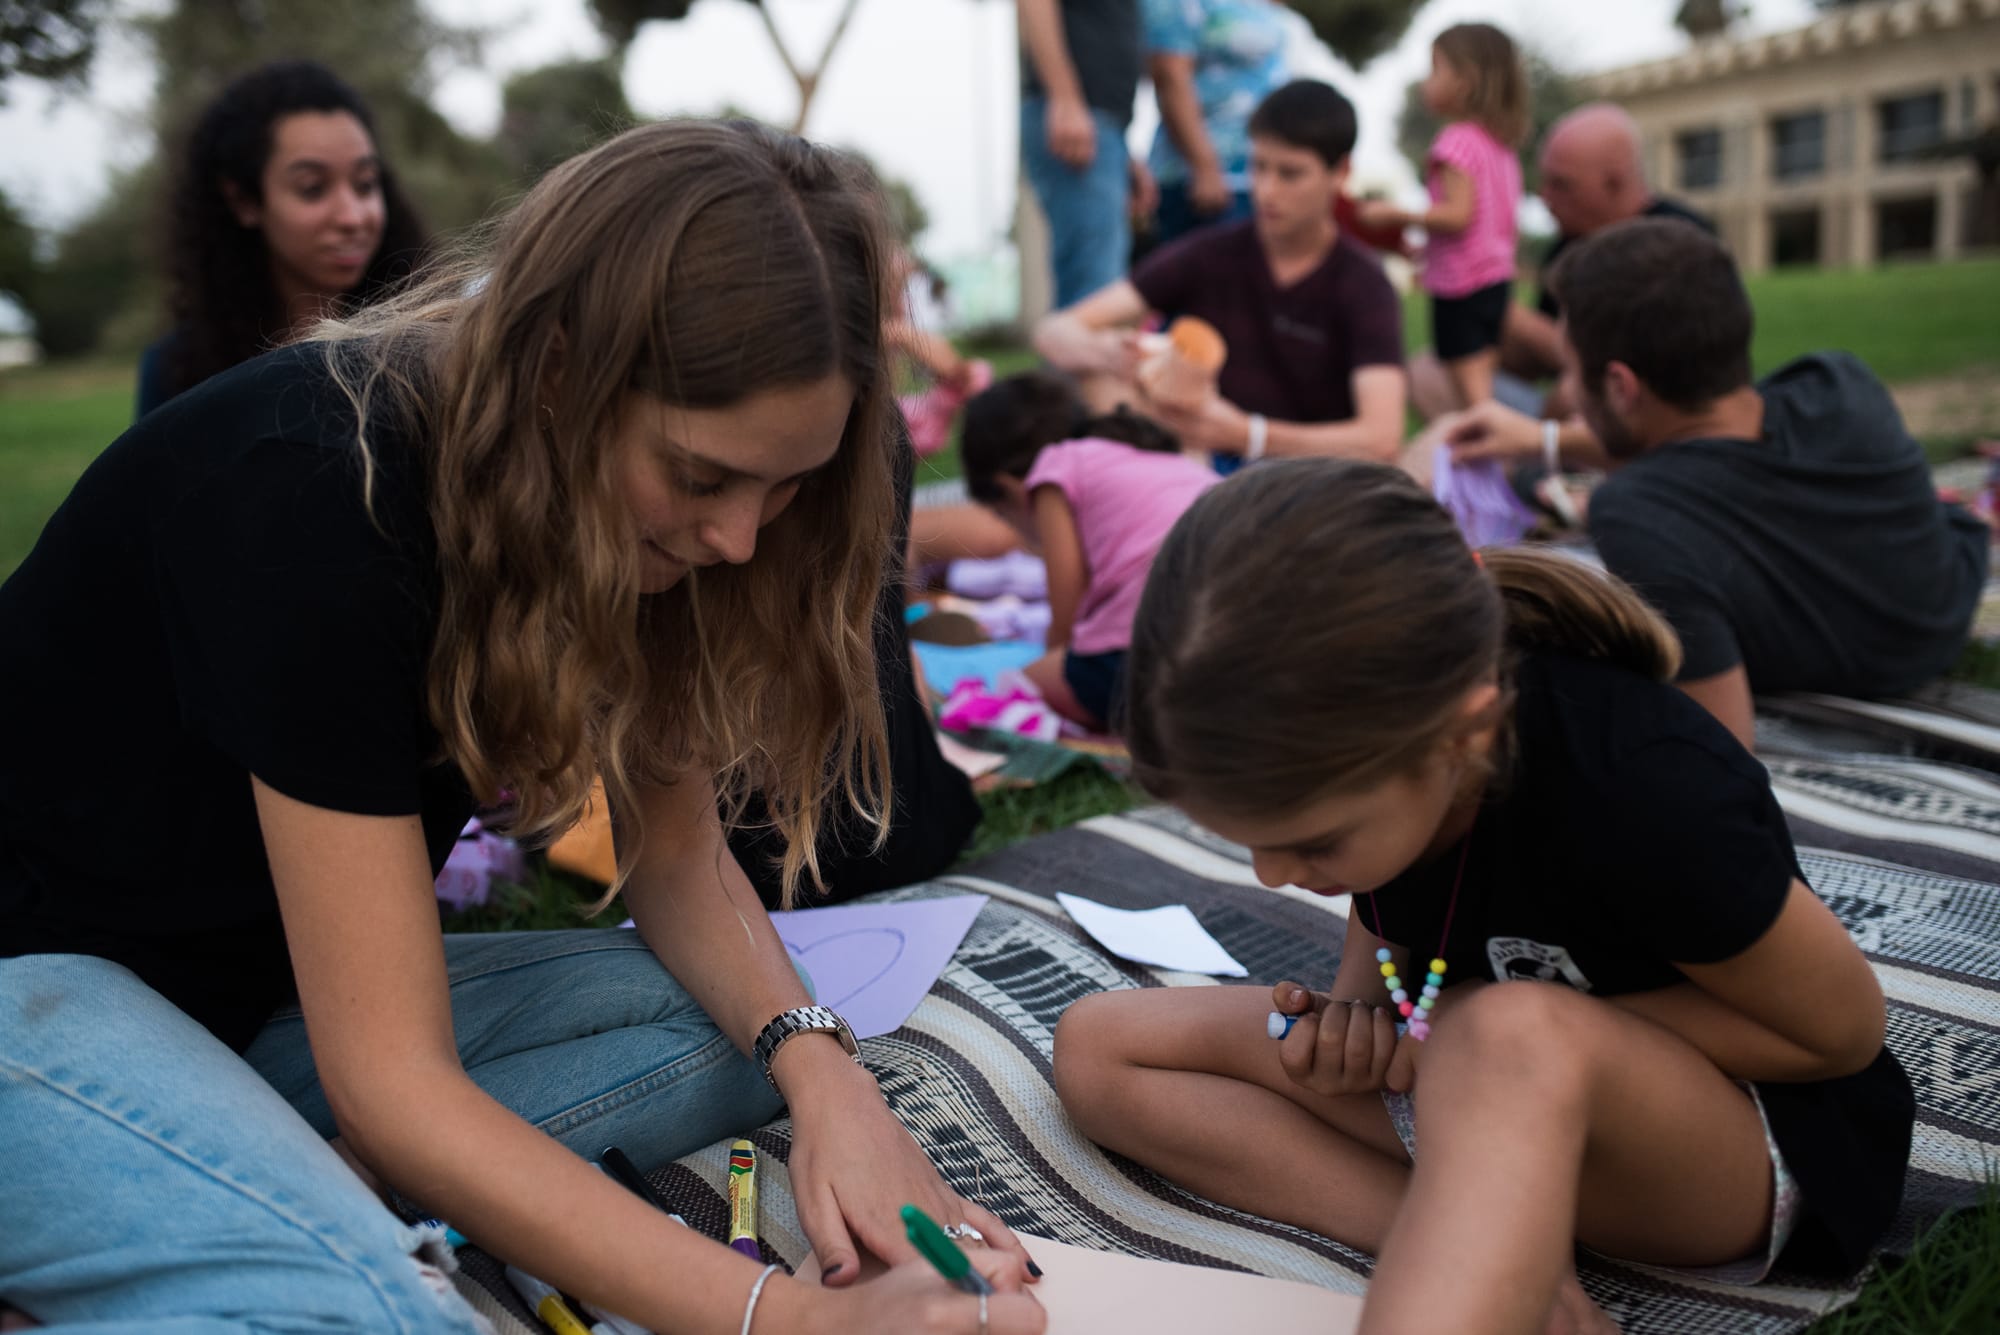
<point x="1239" y="58"/>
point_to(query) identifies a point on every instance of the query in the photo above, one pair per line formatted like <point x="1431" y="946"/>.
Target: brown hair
<point x="1496" y="81"/>
<point x="1662" y="296"/>
<point x="700" y="263"/>
<point x="1312" y="627"/>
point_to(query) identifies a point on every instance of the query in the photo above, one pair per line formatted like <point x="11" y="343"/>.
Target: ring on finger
<point x="964" y="1233"/>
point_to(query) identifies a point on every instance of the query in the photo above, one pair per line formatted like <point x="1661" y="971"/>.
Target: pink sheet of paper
<point x="874" y="962"/>
<point x="1103" y="1293"/>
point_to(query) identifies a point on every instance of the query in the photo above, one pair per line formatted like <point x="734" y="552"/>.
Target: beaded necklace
<point x="1417" y="1011"/>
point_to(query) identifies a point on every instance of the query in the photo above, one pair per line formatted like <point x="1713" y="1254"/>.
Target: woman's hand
<point x="853" y="1169"/>
<point x="913" y="1297"/>
<point x="1337" y="1047"/>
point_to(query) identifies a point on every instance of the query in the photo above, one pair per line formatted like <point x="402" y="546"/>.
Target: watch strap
<point x="800" y="1020"/>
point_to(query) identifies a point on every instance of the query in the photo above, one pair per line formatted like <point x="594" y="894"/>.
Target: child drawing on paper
<point x="1581" y="969"/>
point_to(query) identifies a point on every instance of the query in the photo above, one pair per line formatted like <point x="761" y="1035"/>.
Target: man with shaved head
<point x="1590" y="177"/>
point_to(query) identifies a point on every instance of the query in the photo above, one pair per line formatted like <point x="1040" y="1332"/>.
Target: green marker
<point x="935" y="1247"/>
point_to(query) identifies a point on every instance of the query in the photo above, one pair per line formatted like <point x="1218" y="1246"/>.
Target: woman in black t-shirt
<point x="283" y="208"/>
<point x="1484" y="755"/>
<point x="615" y="498"/>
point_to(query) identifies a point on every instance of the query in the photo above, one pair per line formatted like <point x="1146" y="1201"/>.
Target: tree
<point x="620" y="20"/>
<point x="54" y="40"/>
<point x="1551" y="95"/>
<point x="17" y="252"/>
<point x="98" y="270"/>
<point x="1358" y="30"/>
<point x="1702" y="19"/>
<point x="557" y="111"/>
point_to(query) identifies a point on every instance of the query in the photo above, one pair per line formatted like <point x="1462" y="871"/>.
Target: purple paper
<point x="874" y="962"/>
<point x="1480" y="498"/>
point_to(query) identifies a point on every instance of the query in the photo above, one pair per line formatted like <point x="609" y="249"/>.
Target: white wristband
<point x="1260" y="429"/>
<point x="756" y="1292"/>
<point x="1552" y="445"/>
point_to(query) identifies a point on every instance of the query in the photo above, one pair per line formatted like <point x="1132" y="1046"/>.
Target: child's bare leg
<point x="1474" y="375"/>
<point x="1184" y="1081"/>
<point x="1545" y="1116"/>
<point x="1046" y="674"/>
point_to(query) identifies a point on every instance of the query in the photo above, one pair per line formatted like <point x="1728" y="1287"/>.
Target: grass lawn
<point x="53" y="422"/>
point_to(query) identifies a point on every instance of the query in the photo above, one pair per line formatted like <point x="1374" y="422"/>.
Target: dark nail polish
<point x="831" y="1271"/>
<point x="1034" y="1270"/>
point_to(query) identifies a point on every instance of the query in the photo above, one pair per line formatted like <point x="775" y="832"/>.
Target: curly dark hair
<point x="224" y="302"/>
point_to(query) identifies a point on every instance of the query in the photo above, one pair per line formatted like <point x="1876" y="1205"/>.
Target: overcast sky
<point x="926" y="87"/>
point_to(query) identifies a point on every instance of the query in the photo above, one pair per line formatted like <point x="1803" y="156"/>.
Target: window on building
<point x="1909" y="125"/>
<point x="1700" y="154"/>
<point x="1795" y="237"/>
<point x="1906" y="228"/>
<point x="1968" y="106"/>
<point x="1798" y="146"/>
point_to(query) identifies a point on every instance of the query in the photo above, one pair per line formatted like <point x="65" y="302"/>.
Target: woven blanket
<point x="1906" y="849"/>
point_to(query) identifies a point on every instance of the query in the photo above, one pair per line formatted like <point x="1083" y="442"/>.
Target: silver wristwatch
<point x="801" y="1020"/>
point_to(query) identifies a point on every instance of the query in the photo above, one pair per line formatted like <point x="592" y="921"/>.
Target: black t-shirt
<point x="1293" y="351"/>
<point x="1818" y="556"/>
<point x="1632" y="832"/>
<point x="213" y="601"/>
<point x="1104" y="45"/>
<point x="1661" y="207"/>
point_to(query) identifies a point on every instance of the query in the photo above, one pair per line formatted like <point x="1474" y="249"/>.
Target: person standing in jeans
<point x="1079" y="74"/>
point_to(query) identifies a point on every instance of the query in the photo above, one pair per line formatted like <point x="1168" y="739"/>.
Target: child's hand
<point x="1337" y="1047"/>
<point x="1378" y="214"/>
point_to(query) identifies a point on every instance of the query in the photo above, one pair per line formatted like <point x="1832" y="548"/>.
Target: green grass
<point x="1949" y="1285"/>
<point x="1907" y="321"/>
<point x="53" y="422"/>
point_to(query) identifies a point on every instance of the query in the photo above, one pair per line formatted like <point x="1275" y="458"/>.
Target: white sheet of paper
<point x="1102" y="1293"/>
<point x="1168" y="938"/>
<point x="874" y="962"/>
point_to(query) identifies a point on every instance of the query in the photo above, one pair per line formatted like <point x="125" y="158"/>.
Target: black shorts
<point x="1098" y="682"/>
<point x="1462" y="326"/>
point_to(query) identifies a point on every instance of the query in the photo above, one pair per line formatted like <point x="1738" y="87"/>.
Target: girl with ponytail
<point x="1581" y="963"/>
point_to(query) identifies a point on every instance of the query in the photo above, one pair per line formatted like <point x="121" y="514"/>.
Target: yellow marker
<point x="546" y="1303"/>
<point x="743" y="1199"/>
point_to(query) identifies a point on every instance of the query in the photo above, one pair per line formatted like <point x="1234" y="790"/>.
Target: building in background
<point x="1843" y="143"/>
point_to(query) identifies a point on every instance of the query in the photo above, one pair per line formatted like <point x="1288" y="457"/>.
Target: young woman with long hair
<point x="616" y="499"/>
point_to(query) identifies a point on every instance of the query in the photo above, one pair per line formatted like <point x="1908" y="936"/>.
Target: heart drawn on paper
<point x="846" y="964"/>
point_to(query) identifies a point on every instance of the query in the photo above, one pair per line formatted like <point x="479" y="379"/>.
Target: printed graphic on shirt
<point x="1517" y="959"/>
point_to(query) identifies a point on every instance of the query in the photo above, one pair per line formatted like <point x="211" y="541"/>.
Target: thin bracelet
<point x="1260" y="428"/>
<point x="1552" y="445"/>
<point x="756" y="1292"/>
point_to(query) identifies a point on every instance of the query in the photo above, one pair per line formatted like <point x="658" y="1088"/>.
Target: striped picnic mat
<point x="1897" y="813"/>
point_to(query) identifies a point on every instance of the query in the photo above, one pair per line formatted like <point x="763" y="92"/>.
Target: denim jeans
<point x="1090" y="236"/>
<point x="152" y="1180"/>
<point x="1177" y="216"/>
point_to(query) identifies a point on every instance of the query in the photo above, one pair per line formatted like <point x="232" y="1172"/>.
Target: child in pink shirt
<point x="1477" y="85"/>
<point x="1096" y="497"/>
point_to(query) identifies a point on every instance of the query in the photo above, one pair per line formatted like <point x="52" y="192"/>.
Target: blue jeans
<point x="1177" y="216"/>
<point x="152" y="1180"/>
<point x="1090" y="236"/>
